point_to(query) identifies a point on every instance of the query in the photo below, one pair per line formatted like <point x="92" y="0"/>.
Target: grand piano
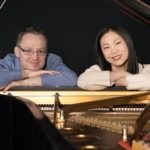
<point x="90" y="119"/>
<point x="97" y="120"/>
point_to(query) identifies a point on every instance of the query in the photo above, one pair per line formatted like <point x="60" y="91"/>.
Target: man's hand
<point x="1" y="88"/>
<point x="12" y="84"/>
<point x="31" y="73"/>
<point x="36" y="81"/>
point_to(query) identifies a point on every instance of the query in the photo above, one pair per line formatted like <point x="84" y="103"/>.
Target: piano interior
<point x="95" y="120"/>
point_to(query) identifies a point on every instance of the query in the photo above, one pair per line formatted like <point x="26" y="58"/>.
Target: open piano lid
<point x="136" y="9"/>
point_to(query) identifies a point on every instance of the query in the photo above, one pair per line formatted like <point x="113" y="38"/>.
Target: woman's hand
<point x="116" y="75"/>
<point x="121" y="82"/>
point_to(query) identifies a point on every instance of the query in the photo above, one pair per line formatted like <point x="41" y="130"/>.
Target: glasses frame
<point x="31" y="52"/>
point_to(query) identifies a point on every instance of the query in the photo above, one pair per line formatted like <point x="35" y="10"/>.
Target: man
<point x="32" y="65"/>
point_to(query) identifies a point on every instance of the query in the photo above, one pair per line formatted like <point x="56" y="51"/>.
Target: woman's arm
<point x="140" y="81"/>
<point x="94" y="79"/>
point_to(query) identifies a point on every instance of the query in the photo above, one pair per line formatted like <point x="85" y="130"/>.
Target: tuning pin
<point x="124" y="133"/>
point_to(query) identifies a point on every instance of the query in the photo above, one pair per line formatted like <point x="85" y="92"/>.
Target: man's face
<point x="28" y="51"/>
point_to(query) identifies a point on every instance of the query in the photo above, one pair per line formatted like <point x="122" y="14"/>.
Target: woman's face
<point x="114" y="49"/>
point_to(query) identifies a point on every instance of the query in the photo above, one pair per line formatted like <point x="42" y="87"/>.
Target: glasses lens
<point x="41" y="53"/>
<point x="31" y="52"/>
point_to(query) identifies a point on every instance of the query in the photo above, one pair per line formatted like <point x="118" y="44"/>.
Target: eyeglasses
<point x="30" y="52"/>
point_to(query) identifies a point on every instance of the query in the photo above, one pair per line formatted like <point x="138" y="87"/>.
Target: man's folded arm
<point x="7" y="77"/>
<point x="65" y="77"/>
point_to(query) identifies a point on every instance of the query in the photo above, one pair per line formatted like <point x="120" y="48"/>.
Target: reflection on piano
<point x="136" y="9"/>
<point x="90" y="119"/>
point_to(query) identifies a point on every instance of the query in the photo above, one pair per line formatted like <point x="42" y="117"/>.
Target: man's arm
<point x="66" y="76"/>
<point x="7" y="77"/>
<point x="56" y="74"/>
<point x="9" y="70"/>
<point x="51" y="79"/>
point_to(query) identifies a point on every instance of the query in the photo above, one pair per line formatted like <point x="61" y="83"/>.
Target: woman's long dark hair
<point x="132" y="59"/>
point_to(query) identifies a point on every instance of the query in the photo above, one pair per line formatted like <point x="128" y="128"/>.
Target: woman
<point x="117" y="63"/>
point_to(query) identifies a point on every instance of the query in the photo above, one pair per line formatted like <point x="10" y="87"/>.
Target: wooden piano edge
<point x="78" y="97"/>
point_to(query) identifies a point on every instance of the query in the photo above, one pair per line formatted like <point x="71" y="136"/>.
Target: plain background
<point x="71" y="26"/>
